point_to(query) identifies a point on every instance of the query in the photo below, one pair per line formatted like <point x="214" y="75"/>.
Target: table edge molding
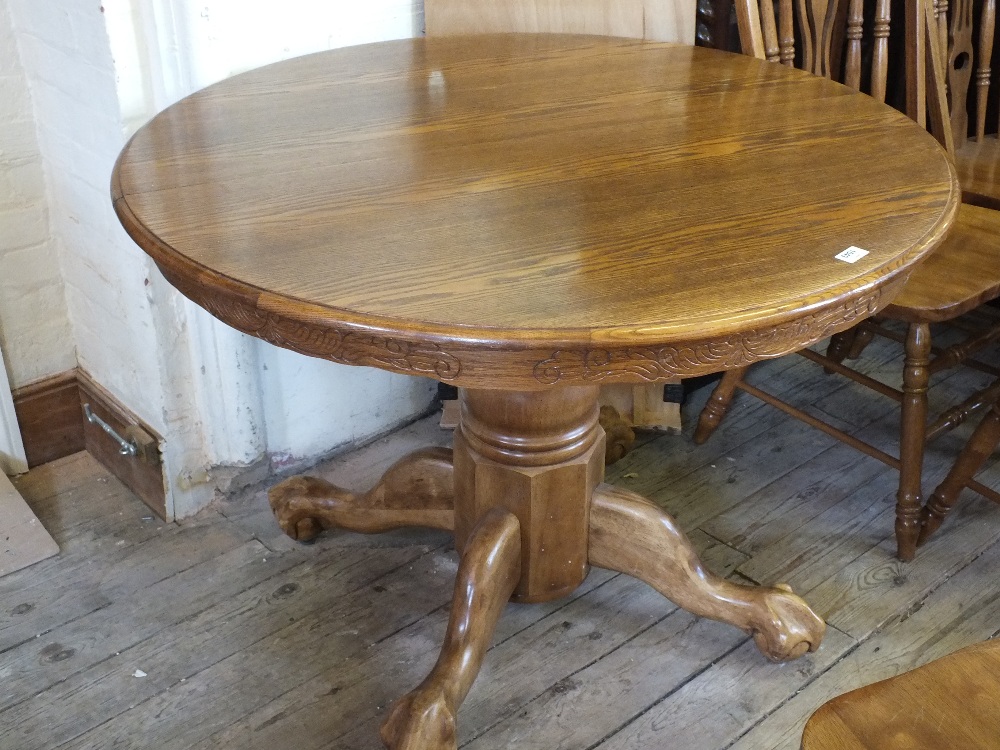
<point x="529" y="366"/>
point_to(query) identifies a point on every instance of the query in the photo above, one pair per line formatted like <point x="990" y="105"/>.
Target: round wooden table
<point x="529" y="217"/>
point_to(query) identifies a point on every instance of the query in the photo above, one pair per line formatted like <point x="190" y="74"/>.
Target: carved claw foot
<point x="619" y="433"/>
<point x="417" y="490"/>
<point x="783" y="626"/>
<point x="421" y="720"/>
<point x="632" y="535"/>
<point x="424" y="719"/>
<point x="296" y="503"/>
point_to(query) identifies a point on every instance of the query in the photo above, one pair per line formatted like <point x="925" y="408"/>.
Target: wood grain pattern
<point x="630" y="534"/>
<point x="949" y="704"/>
<point x="424" y="719"/>
<point x="636" y="19"/>
<point x="144" y="478"/>
<point x="961" y="277"/>
<point x="325" y="259"/>
<point x="962" y="274"/>
<point x="48" y="413"/>
<point x="418" y="490"/>
<point x="433" y="226"/>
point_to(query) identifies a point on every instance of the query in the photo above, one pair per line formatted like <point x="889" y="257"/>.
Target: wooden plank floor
<point x="219" y="632"/>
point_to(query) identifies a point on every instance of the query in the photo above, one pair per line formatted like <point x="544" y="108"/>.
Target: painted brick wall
<point x="93" y="74"/>
<point x="34" y="325"/>
<point x="165" y="49"/>
<point x="65" y="52"/>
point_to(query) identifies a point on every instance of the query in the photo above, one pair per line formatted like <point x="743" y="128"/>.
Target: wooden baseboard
<point x="50" y="415"/>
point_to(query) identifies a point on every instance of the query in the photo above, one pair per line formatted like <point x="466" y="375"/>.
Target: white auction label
<point x="851" y="254"/>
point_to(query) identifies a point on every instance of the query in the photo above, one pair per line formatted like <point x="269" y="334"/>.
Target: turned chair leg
<point x="980" y="446"/>
<point x="718" y="404"/>
<point x="632" y="535"/>
<point x="912" y="438"/>
<point x="418" y="490"/>
<point x="424" y="719"/>
<point x="865" y="335"/>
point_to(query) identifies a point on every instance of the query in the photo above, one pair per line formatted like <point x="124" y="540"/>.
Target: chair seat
<point x="978" y="167"/>
<point x="949" y="704"/>
<point x="960" y="275"/>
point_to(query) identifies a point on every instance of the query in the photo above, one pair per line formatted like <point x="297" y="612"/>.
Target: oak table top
<point x="597" y="209"/>
<point x="529" y="217"/>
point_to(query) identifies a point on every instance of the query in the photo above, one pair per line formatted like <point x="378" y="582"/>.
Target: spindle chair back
<point x="828" y="37"/>
<point x="975" y="99"/>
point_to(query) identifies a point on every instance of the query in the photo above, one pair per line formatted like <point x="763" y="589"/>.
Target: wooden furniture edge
<point x="533" y="365"/>
<point x="544" y="358"/>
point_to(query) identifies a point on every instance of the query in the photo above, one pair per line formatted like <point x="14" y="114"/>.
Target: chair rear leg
<point x="718" y="404"/>
<point x="840" y="345"/>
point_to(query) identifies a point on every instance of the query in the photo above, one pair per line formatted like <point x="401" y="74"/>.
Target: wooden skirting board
<point x="51" y="419"/>
<point x="49" y="415"/>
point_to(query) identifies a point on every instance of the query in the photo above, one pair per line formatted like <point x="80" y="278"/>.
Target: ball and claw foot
<point x="418" y="490"/>
<point x="619" y="433"/>
<point x="424" y="719"/>
<point x="632" y="535"/>
<point x="784" y="627"/>
<point x="294" y="502"/>
<point x="421" y="720"/>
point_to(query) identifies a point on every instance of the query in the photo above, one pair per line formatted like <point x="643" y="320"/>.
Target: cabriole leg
<point x="418" y="490"/>
<point x="424" y="719"/>
<point x="632" y="535"/>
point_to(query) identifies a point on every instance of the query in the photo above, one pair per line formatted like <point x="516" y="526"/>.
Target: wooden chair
<point x="623" y="407"/>
<point x="977" y="152"/>
<point x="964" y="271"/>
<point x="948" y="704"/>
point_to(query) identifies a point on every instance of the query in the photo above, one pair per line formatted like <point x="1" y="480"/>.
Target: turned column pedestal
<point x="538" y="456"/>
<point x="522" y="494"/>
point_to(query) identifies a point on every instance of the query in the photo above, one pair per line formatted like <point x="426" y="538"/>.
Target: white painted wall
<point x="94" y="73"/>
<point x="34" y="323"/>
<point x="123" y="326"/>
<point x="12" y="458"/>
<point x="166" y="49"/>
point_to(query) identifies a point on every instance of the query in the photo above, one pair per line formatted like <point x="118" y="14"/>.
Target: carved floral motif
<point x="345" y="347"/>
<point x="660" y="363"/>
<point x="595" y="365"/>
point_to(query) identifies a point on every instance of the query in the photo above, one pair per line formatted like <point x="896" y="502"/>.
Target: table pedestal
<point x="523" y="495"/>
